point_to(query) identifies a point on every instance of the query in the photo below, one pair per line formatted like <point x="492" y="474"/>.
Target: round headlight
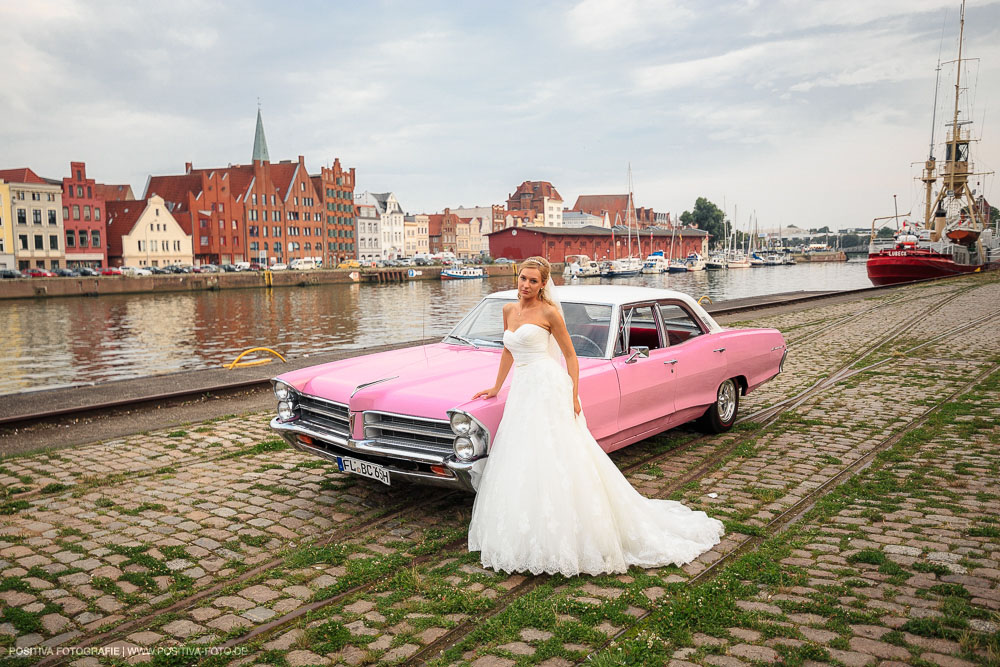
<point x="285" y="411"/>
<point x="282" y="391"/>
<point x="464" y="448"/>
<point x="461" y="423"/>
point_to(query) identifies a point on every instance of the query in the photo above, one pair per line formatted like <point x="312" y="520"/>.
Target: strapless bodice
<point x="528" y="344"/>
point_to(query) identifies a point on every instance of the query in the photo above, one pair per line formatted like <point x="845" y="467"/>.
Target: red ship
<point x="958" y="238"/>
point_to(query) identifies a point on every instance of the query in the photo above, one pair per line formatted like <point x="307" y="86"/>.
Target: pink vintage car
<point x="650" y="359"/>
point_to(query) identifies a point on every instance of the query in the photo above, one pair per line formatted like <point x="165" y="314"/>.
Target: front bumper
<point x="407" y="465"/>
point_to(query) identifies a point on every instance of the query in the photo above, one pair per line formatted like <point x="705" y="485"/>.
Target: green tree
<point x="885" y="233"/>
<point x="706" y="216"/>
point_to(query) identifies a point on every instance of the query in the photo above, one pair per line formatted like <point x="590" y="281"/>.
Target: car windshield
<point x="588" y="326"/>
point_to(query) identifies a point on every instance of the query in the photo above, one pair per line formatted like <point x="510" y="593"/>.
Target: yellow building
<point x="34" y="212"/>
<point x="143" y="233"/>
<point x="6" y="230"/>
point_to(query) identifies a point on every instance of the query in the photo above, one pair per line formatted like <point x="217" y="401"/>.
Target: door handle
<point x="670" y="362"/>
<point x="719" y="349"/>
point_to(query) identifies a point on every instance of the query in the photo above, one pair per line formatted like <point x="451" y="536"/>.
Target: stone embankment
<point x="859" y="494"/>
<point x="25" y="288"/>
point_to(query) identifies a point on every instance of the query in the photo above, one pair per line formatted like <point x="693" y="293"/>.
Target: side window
<point x="678" y="324"/>
<point x="637" y="328"/>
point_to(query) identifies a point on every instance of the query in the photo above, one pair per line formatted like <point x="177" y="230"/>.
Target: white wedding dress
<point x="550" y="500"/>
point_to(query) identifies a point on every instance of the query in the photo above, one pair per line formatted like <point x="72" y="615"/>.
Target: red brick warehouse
<point x="555" y="243"/>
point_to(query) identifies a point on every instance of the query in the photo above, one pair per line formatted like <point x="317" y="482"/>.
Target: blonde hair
<point x="545" y="269"/>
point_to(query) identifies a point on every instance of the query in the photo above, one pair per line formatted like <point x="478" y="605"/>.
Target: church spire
<point x="259" y="142"/>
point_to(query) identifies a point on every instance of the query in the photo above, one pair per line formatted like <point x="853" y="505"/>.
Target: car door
<point x="647" y="397"/>
<point x="696" y="359"/>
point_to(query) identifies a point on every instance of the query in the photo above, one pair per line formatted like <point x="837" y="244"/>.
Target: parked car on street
<point x="38" y="272"/>
<point x="422" y="261"/>
<point x="254" y="266"/>
<point x="349" y="264"/>
<point x="158" y="270"/>
<point x="136" y="271"/>
<point x="279" y="267"/>
<point x="11" y="273"/>
<point x="66" y="273"/>
<point x="111" y="271"/>
<point x="650" y="360"/>
<point x="229" y="268"/>
<point x="503" y="260"/>
<point x="87" y="271"/>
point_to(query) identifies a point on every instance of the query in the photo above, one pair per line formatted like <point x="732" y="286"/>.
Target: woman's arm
<point x="506" y="361"/>
<point x="557" y="325"/>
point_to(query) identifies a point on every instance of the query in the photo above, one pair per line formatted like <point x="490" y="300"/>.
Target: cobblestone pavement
<point x="899" y="565"/>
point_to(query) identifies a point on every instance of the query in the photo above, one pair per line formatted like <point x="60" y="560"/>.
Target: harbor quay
<point x="859" y="490"/>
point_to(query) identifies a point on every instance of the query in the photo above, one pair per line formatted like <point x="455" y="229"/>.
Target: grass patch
<point x="177" y="434"/>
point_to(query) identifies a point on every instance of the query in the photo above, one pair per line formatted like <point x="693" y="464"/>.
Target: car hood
<point x="424" y="381"/>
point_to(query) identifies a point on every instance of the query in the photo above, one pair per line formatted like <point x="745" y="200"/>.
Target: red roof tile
<point x="109" y="192"/>
<point x="174" y="189"/>
<point x="121" y="217"/>
<point x="21" y="175"/>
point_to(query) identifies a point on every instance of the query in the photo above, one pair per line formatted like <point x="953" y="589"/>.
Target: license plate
<point x="363" y="468"/>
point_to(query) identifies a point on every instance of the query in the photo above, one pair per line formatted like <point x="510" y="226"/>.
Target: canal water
<point x="67" y="341"/>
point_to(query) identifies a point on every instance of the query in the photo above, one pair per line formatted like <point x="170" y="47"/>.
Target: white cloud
<point x="608" y="24"/>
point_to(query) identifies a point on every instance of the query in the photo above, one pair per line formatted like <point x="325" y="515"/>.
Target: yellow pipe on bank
<point x="254" y="362"/>
<point x="703" y="298"/>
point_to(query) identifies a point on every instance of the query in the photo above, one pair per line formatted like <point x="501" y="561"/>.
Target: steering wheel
<point x="597" y="348"/>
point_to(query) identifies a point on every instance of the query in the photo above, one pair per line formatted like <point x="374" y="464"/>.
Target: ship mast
<point x="956" y="169"/>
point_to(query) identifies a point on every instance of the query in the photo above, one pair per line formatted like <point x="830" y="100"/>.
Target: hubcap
<point x="727" y="401"/>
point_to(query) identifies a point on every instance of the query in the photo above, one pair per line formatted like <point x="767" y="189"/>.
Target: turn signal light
<point x="441" y="471"/>
<point x="306" y="439"/>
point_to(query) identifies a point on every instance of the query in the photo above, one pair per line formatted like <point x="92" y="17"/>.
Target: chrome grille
<point x="413" y="433"/>
<point x="325" y="416"/>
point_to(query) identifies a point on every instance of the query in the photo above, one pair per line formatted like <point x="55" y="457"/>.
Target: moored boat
<point x="694" y="262"/>
<point x="957" y="235"/>
<point x="655" y="263"/>
<point x="467" y="273"/>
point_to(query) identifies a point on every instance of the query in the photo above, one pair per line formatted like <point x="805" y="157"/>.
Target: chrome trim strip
<point x="406" y="428"/>
<point x="368" y="384"/>
<point x="332" y="415"/>
<point x="446" y="423"/>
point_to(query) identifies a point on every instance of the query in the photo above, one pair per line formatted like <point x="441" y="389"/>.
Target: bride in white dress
<point x="550" y="500"/>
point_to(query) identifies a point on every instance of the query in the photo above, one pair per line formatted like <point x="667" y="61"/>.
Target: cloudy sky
<point x="809" y="113"/>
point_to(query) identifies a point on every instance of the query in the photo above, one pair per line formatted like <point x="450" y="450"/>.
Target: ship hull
<point x="889" y="267"/>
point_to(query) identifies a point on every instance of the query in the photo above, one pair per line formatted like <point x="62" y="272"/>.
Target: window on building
<point x="39" y="242"/>
<point x="53" y="242"/>
<point x="276" y="231"/>
<point x="36" y="196"/>
<point x="253" y="199"/>
<point x="22" y="241"/>
<point x="177" y="246"/>
<point x="52" y="216"/>
<point x="95" y="238"/>
<point x="76" y="211"/>
<point x="234" y="224"/>
<point x="142" y="246"/>
<point x="254" y="246"/>
<point x="83" y="238"/>
<point x="204" y="240"/>
<point x="97" y="213"/>
<point x="90" y="192"/>
<point x="70" y="239"/>
<point x="86" y="213"/>
<point x="273" y="201"/>
<point x="65" y="212"/>
<point x="79" y="175"/>
<point x="203" y="223"/>
<point x="222" y="207"/>
<point x="79" y="191"/>
<point x="222" y="240"/>
<point x="36" y="216"/>
<point x="154" y="246"/>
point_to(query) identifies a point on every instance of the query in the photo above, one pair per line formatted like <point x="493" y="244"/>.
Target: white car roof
<point x="617" y="295"/>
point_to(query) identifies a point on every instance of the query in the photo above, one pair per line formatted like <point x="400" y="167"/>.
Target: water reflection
<point x="53" y="342"/>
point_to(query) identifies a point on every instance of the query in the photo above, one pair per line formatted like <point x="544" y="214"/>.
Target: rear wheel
<point x="721" y="416"/>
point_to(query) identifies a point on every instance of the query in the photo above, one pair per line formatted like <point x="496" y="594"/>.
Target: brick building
<point x="615" y="207"/>
<point x="442" y="232"/>
<point x="269" y="212"/>
<point x="555" y="243"/>
<point x="84" y="211"/>
<point x="540" y="197"/>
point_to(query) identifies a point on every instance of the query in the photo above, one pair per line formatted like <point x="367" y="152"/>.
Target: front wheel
<point x="721" y="416"/>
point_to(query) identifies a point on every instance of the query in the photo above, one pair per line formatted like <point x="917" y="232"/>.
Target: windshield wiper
<point x="463" y="339"/>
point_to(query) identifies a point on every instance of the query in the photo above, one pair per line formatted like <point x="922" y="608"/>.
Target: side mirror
<point x="637" y="352"/>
